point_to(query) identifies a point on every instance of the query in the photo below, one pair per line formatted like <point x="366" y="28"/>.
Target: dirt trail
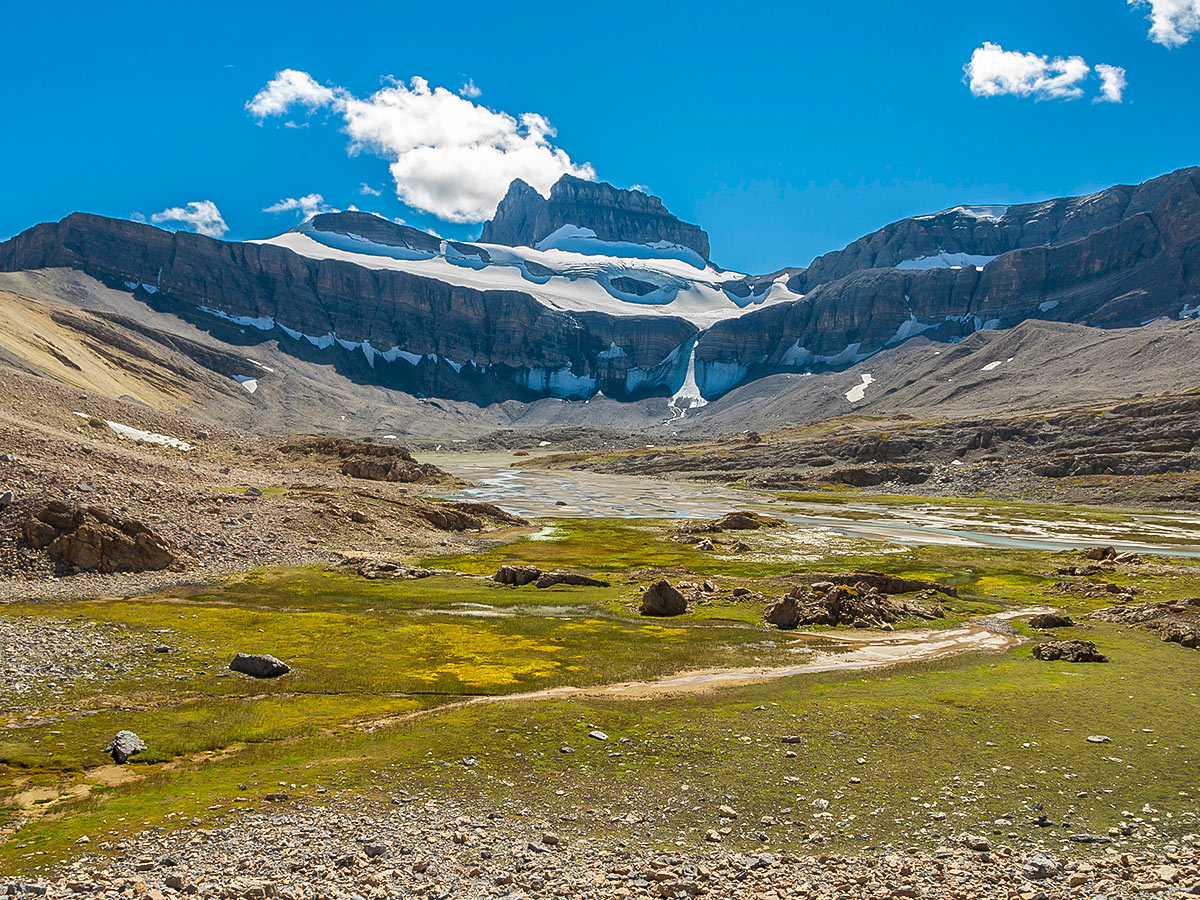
<point x="859" y="651"/>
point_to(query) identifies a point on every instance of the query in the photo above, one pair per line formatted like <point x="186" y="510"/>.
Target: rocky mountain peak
<point x="524" y="217"/>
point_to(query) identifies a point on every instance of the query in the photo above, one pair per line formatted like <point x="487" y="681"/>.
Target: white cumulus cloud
<point x="470" y="89"/>
<point x="447" y="155"/>
<point x="200" y="216"/>
<point x="1172" y="22"/>
<point x="287" y="89"/>
<point x="308" y="205"/>
<point x="1112" y="83"/>
<point x="994" y="71"/>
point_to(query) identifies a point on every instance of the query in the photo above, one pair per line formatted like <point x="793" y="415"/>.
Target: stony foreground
<point x="436" y="850"/>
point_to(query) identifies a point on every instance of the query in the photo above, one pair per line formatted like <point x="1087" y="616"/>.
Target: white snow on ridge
<point x="857" y="393"/>
<point x="944" y="260"/>
<point x="142" y="437"/>
<point x="579" y="281"/>
<point x="574" y="239"/>
<point x="247" y="382"/>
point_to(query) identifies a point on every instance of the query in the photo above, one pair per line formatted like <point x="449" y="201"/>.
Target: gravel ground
<point x="231" y="504"/>
<point x="442" y="850"/>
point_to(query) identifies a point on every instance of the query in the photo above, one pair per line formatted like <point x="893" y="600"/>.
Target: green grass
<point x="924" y="731"/>
<point x="374" y="706"/>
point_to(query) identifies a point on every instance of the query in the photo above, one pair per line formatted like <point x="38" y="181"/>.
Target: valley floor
<point x="444" y="735"/>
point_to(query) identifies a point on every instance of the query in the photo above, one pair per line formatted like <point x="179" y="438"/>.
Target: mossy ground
<point x="373" y="707"/>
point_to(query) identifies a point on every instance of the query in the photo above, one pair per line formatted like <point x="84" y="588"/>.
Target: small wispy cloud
<point x="470" y="90"/>
<point x="995" y="72"/>
<point x="1172" y="22"/>
<point x="309" y="205"/>
<point x="1112" y="83"/>
<point x="367" y="191"/>
<point x="200" y="216"/>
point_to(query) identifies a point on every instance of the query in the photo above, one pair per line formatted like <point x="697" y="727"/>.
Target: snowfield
<point x="584" y="273"/>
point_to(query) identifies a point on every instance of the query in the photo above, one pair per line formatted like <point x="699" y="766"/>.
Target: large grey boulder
<point x="661" y="599"/>
<point x="259" y="665"/>
<point x="125" y="745"/>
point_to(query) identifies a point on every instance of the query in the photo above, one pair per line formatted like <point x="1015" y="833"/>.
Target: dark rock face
<point x="126" y="744"/>
<point x="91" y="539"/>
<point x="525" y="217"/>
<point x="965" y="230"/>
<point x="661" y="599"/>
<point x="1116" y="259"/>
<point x="485" y="346"/>
<point x="259" y="665"/>
<point x="1069" y="651"/>
<point x="1140" y="261"/>
<point x="375" y="229"/>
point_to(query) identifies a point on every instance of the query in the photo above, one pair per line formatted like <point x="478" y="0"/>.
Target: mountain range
<point x="600" y="293"/>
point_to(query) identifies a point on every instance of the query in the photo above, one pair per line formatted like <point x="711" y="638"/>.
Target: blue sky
<point x="785" y="131"/>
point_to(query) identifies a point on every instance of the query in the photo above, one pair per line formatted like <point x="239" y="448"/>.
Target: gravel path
<point x="443" y="850"/>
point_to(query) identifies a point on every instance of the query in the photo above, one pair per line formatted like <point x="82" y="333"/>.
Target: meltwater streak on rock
<point x="536" y="494"/>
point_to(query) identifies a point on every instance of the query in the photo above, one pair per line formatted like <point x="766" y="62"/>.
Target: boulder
<point x="1050" y="620"/>
<point x="259" y="665"/>
<point x="92" y="539"/>
<point x="661" y="599"/>
<point x="860" y="606"/>
<point x="6" y="499"/>
<point x="1068" y="651"/>
<point x="126" y="744"/>
<point x="517" y="575"/>
<point x="550" y="579"/>
<point x="1100" y="554"/>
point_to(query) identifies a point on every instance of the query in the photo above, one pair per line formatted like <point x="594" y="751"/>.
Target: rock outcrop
<point x="524" y="217"/>
<point x="518" y="576"/>
<point x="858" y="605"/>
<point x="371" y="462"/>
<point x="552" y="579"/>
<point x="1175" y="621"/>
<point x="1069" y="651"/>
<point x="90" y="539"/>
<point x="736" y="521"/>
<point x="1050" y="620"/>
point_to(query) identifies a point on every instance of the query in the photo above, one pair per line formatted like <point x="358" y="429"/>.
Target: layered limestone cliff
<point x="525" y="217"/>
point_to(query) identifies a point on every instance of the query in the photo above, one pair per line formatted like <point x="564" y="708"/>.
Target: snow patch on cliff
<point x="859" y="391"/>
<point x="944" y="260"/>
